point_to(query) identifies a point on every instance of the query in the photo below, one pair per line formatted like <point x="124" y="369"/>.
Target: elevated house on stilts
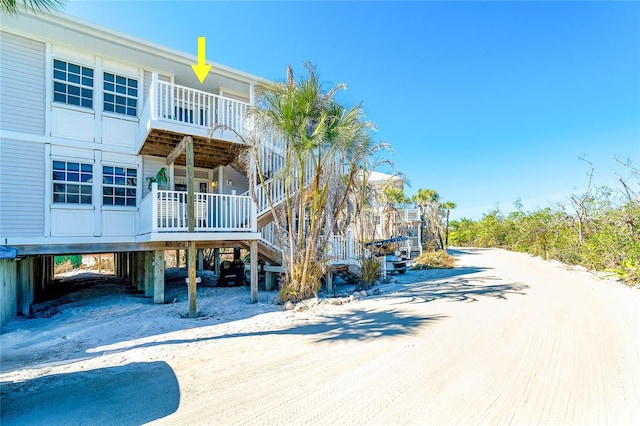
<point x="89" y="118"/>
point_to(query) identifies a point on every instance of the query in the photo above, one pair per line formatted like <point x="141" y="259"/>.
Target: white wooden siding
<point x="150" y="166"/>
<point x="240" y="183"/>
<point x="22" y="180"/>
<point x="22" y="86"/>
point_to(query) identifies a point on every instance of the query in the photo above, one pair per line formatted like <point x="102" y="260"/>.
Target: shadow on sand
<point x="130" y="394"/>
<point x="358" y="325"/>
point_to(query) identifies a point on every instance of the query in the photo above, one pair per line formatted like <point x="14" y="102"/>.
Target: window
<point x="72" y="182"/>
<point x="119" y="186"/>
<point x="72" y="84"/>
<point x="120" y="94"/>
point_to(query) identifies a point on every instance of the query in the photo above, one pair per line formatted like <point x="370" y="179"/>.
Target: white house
<point x="87" y="115"/>
<point x="400" y="220"/>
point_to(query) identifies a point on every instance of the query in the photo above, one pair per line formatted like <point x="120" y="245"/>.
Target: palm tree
<point x="428" y="201"/>
<point x="324" y="146"/>
<point x="447" y="206"/>
<point x="36" y="6"/>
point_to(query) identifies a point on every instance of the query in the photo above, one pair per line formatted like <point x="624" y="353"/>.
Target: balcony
<point x="164" y="216"/>
<point x="172" y="111"/>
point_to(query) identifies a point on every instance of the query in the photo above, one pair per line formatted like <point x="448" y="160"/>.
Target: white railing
<point x="184" y="105"/>
<point x="414" y="244"/>
<point x="269" y="236"/>
<point x="410" y="215"/>
<point x="146" y="217"/>
<point x="212" y="212"/>
<point x="276" y="188"/>
<point x="345" y="249"/>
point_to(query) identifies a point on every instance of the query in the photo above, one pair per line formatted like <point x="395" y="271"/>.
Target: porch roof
<point x="208" y="153"/>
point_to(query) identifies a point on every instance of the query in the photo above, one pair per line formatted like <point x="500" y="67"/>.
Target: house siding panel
<point x="240" y="183"/>
<point x="22" y="180"/>
<point x="22" y="87"/>
<point x="150" y="167"/>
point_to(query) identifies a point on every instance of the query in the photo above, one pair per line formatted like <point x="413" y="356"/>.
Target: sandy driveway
<point x="502" y="339"/>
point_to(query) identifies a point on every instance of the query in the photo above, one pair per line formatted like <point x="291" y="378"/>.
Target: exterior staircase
<point x="346" y="251"/>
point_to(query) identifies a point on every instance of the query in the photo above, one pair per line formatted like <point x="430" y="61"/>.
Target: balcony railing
<point x="173" y="104"/>
<point x="212" y="212"/>
<point x="345" y="249"/>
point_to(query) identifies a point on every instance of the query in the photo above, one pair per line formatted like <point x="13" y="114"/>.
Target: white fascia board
<point x="112" y="36"/>
<point x="198" y="236"/>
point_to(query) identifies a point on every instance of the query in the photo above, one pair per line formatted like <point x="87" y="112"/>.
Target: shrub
<point x="434" y="260"/>
<point x="370" y="271"/>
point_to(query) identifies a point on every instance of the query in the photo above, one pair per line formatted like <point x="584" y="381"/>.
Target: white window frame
<point x="115" y="89"/>
<point x="80" y="89"/>
<point x="109" y="181"/>
<point x="62" y="177"/>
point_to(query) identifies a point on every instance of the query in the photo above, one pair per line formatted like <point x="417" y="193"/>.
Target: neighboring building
<point x="87" y="116"/>
<point x="396" y="220"/>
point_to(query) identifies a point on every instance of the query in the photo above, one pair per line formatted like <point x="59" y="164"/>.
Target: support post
<point x="134" y="269"/>
<point x="200" y="260"/>
<point x="329" y="281"/>
<point x="8" y="290"/>
<point x="148" y="274"/>
<point x="191" y="251"/>
<point x="268" y="278"/>
<point x="140" y="268"/>
<point x="193" y="285"/>
<point x="25" y="285"/>
<point x="131" y="267"/>
<point x="216" y="261"/>
<point x="254" y="270"/>
<point x="158" y="277"/>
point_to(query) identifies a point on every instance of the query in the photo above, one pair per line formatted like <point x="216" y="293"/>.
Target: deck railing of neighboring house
<point x="213" y="212"/>
<point x="345" y="249"/>
<point x="183" y="105"/>
<point x="410" y="215"/>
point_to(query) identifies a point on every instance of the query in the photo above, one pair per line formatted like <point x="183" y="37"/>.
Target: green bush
<point x="75" y="260"/>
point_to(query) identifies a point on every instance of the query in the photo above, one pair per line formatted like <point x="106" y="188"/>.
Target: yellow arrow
<point x="201" y="69"/>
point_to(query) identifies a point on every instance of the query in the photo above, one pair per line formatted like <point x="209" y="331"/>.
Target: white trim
<point x="76" y="108"/>
<point x="48" y="88"/>
<point x="97" y="193"/>
<point x="141" y="98"/>
<point x="98" y="96"/>
<point x="72" y="55"/>
<point x="108" y="208"/>
<point x="117" y="116"/>
<point x="198" y="236"/>
<point x="72" y="143"/>
<point x="48" y="189"/>
<point x="114" y="67"/>
<point x="109" y="35"/>
<point x="69" y="206"/>
<point x="235" y="95"/>
<point x="155" y="237"/>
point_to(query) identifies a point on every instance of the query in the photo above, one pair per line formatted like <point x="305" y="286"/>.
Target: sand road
<point x="502" y="339"/>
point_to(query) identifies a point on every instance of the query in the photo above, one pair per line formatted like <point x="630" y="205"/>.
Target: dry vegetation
<point x="434" y="260"/>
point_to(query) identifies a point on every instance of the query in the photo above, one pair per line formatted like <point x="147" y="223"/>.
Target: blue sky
<point x="486" y="102"/>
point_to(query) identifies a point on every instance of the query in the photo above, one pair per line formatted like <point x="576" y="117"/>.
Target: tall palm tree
<point x="447" y="206"/>
<point x="37" y="6"/>
<point x="428" y="201"/>
<point x="324" y="145"/>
